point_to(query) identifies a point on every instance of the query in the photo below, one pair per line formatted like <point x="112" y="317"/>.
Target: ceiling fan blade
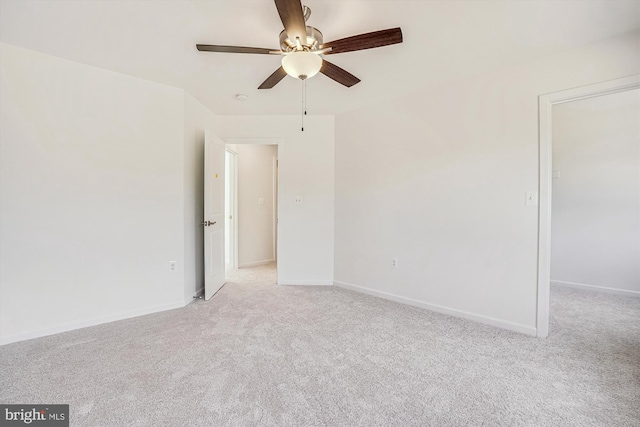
<point x="338" y="74"/>
<point x="235" y="49"/>
<point x="273" y="79"/>
<point x="292" y="18"/>
<point x="365" y="41"/>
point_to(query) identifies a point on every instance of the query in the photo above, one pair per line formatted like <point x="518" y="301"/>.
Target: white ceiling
<point x="443" y="41"/>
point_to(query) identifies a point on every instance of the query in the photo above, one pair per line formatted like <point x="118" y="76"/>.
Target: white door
<point x="213" y="214"/>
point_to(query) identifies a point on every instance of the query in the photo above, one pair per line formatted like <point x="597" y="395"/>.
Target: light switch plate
<point x="531" y="198"/>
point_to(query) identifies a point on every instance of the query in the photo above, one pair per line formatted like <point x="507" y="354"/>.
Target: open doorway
<point x="595" y="210"/>
<point x="589" y="200"/>
<point x="251" y="209"/>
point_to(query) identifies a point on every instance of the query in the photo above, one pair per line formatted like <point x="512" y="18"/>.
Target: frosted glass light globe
<point x="302" y="65"/>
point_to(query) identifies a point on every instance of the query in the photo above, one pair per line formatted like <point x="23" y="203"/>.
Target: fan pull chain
<point x="304" y="103"/>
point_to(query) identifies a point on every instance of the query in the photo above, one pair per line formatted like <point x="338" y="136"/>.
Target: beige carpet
<point x="261" y="354"/>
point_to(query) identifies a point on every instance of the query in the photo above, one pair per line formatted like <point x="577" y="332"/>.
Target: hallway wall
<point x="255" y="220"/>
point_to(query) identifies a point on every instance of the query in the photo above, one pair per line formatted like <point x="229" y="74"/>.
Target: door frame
<point x="545" y="109"/>
<point x="233" y="256"/>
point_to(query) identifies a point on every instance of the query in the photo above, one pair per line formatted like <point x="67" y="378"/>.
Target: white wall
<point x="255" y="221"/>
<point x="595" y="235"/>
<point x="197" y="119"/>
<point x="306" y="168"/>
<point x="92" y="199"/>
<point x="438" y="179"/>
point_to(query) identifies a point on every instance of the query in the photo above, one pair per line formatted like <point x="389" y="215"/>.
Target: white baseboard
<point x="89" y="322"/>
<point x="306" y="282"/>
<point x="596" y="288"/>
<point x="516" y="327"/>
<point x="256" y="263"/>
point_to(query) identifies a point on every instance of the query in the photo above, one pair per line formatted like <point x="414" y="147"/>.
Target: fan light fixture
<point x="302" y="64"/>
<point x="302" y="46"/>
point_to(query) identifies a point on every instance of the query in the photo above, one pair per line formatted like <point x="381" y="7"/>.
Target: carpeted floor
<point x="261" y="354"/>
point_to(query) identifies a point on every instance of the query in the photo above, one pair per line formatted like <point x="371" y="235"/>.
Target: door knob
<point x="208" y="223"/>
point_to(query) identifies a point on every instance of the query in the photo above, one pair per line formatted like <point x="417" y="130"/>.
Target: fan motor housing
<point x="313" y="42"/>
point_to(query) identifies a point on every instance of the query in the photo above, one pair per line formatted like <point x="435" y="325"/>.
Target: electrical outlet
<point x="172" y="265"/>
<point x="394" y="262"/>
<point x="298" y="200"/>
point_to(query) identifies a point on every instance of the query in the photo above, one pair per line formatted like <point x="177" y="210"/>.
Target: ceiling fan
<point x="302" y="45"/>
